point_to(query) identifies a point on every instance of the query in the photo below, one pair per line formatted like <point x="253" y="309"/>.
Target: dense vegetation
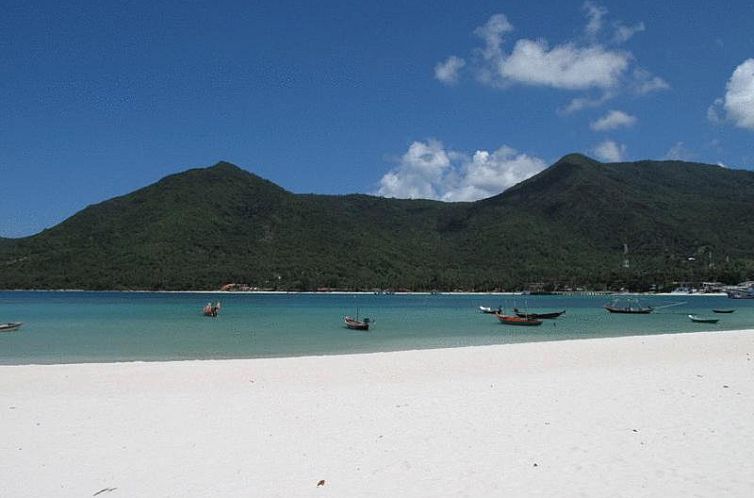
<point x="565" y="227"/>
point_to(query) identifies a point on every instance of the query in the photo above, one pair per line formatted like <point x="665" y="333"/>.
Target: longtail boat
<point x="539" y="316"/>
<point x="630" y="306"/>
<point x="517" y="320"/>
<point x="355" y="324"/>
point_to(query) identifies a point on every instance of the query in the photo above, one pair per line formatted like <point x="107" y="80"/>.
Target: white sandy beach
<point x="665" y="415"/>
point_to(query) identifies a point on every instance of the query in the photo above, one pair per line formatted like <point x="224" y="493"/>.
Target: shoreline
<point x="655" y="415"/>
<point x="411" y="293"/>
<point x="366" y="354"/>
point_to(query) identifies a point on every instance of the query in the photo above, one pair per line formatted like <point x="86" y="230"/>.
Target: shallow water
<point x="72" y="327"/>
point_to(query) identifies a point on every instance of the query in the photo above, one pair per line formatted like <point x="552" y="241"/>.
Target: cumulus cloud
<point x="737" y="105"/>
<point x="581" y="64"/>
<point x="420" y="171"/>
<point x="487" y="174"/>
<point x="612" y="120"/>
<point x="564" y="66"/>
<point x="429" y="171"/>
<point x="610" y="151"/>
<point x="447" y="71"/>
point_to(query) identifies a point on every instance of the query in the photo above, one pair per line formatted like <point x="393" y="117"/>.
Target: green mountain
<point x="567" y="226"/>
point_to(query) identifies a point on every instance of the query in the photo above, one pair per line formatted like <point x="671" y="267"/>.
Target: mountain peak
<point x="224" y="165"/>
<point x="576" y="159"/>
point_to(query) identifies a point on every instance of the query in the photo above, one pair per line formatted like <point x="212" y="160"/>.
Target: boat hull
<point x="517" y="320"/>
<point x="539" y="316"/>
<point x="629" y="311"/>
<point x="10" y="326"/>
<point x="355" y="324"/>
<point x="698" y="319"/>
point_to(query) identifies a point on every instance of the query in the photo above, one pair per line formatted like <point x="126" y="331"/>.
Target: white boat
<point x="702" y="319"/>
<point x="489" y="310"/>
<point x="10" y="326"/>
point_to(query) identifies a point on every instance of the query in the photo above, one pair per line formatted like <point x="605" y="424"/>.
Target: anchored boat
<point x="10" y="326"/>
<point x="517" y="320"/>
<point x="356" y="324"/>
<point x="630" y="306"/>
<point x="538" y="316"/>
<point x="702" y="319"/>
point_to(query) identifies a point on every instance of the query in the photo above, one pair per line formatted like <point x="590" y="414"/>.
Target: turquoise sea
<point x="73" y="327"/>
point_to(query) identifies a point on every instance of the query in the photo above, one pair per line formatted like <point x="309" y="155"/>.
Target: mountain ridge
<point x="568" y="224"/>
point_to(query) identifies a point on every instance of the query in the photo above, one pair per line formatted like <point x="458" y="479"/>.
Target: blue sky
<point x="446" y="100"/>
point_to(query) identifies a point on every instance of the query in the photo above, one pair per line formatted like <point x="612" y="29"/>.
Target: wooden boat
<point x="631" y="306"/>
<point x="488" y="310"/>
<point x="211" y="310"/>
<point x="517" y="320"/>
<point x="538" y="316"/>
<point x="356" y="324"/>
<point x="701" y="319"/>
<point x="723" y="311"/>
<point x="10" y="326"/>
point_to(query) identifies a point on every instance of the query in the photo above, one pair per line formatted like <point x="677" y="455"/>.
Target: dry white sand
<point x="641" y="416"/>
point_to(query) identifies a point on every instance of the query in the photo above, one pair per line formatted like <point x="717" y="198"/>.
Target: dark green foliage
<point x="566" y="226"/>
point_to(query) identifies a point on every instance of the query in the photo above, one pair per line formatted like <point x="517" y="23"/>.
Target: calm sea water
<point x="72" y="327"/>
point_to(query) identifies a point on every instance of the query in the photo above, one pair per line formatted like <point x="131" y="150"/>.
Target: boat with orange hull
<point x="517" y="320"/>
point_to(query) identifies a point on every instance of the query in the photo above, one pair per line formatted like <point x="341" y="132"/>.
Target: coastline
<point x="411" y="293"/>
<point x="654" y="415"/>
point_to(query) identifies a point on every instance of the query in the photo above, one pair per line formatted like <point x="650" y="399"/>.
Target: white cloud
<point x="715" y="112"/>
<point x="429" y="171"/>
<point x="594" y="15"/>
<point x="580" y="64"/>
<point x="579" y="103"/>
<point x="492" y="54"/>
<point x="645" y="82"/>
<point x="612" y="120"/>
<point x="421" y="168"/>
<point x="624" y="33"/>
<point x="492" y="33"/>
<point x="564" y="66"/>
<point x="447" y="71"/>
<point x="739" y="96"/>
<point x="610" y="151"/>
<point x="487" y="174"/>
